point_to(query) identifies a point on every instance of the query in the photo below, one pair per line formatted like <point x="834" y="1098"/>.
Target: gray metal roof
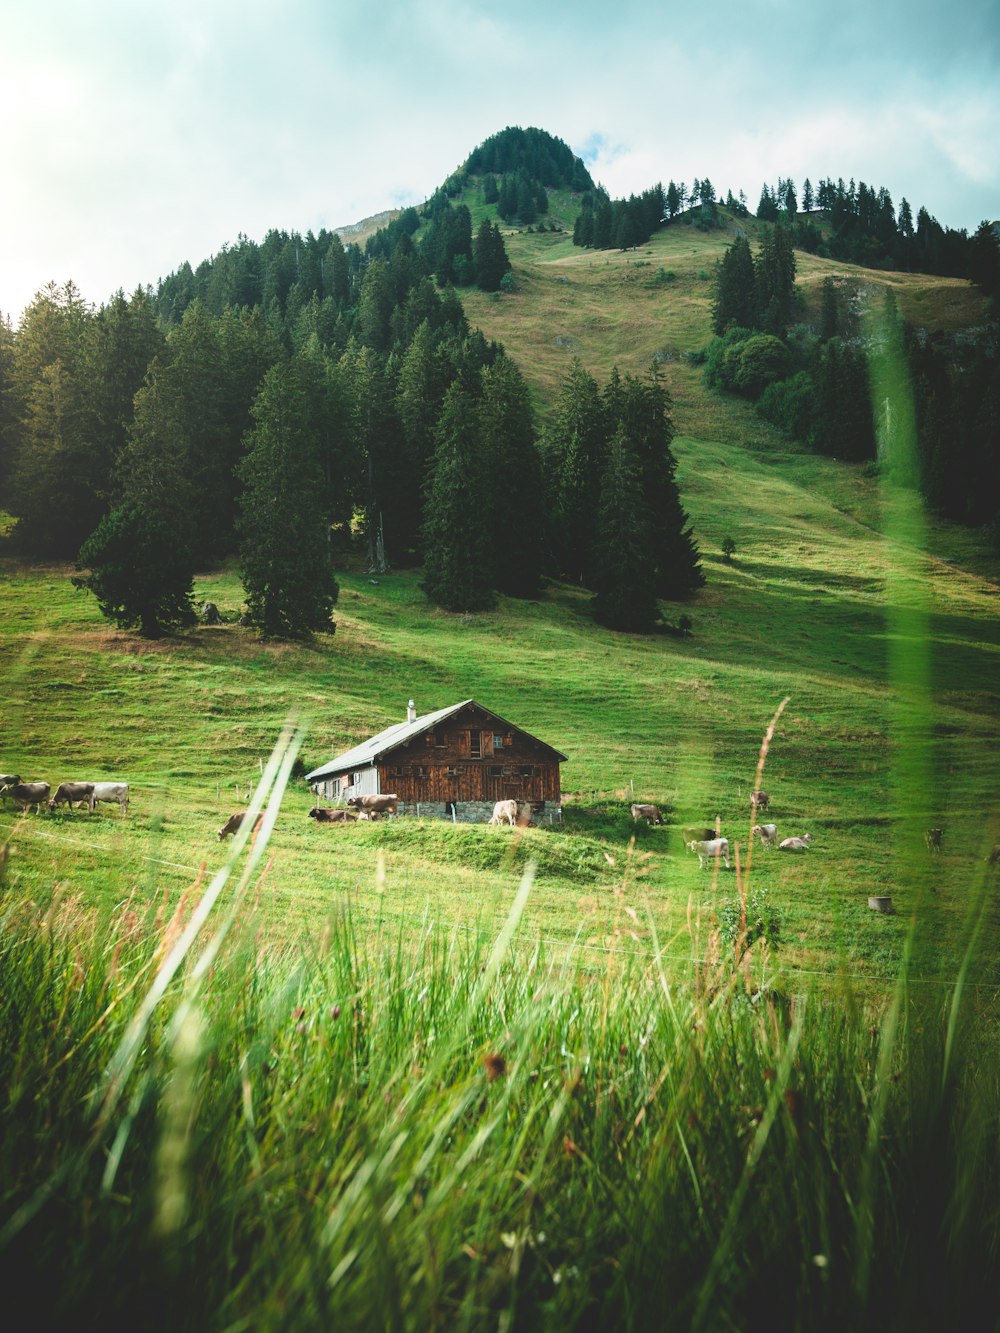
<point x="372" y="749"/>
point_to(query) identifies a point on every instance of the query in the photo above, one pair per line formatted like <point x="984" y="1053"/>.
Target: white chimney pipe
<point x="411" y="711"/>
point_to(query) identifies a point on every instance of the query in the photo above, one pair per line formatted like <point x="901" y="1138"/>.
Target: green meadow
<point x="805" y="610"/>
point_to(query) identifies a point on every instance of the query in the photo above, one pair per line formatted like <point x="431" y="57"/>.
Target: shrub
<point x="762" y="360"/>
<point x="788" y="404"/>
<point x="763" y="920"/>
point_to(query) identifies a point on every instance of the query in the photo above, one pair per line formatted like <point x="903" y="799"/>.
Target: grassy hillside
<point x="610" y="307"/>
<point x="813" y="607"/>
<point x="804" y="611"/>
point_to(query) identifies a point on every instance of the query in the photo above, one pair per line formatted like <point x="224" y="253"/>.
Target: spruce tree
<point x="459" y="561"/>
<point x="423" y="380"/>
<point x="577" y="448"/>
<point x="140" y="571"/>
<point x="642" y="410"/>
<point x="490" y="257"/>
<point x="284" y="529"/>
<point x="735" y="302"/>
<point x="624" y="595"/>
<point x="517" y="490"/>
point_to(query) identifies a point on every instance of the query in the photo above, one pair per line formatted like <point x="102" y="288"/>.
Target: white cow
<point x="795" y="844"/>
<point x="768" y="834"/>
<point x="504" y="810"/>
<point x="708" y="849"/>
<point x="114" y="793"/>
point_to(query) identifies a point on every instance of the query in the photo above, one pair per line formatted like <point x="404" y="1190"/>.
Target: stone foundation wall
<point x="472" y="812"/>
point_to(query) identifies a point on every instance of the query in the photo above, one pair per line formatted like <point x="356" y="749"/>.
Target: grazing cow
<point x="72" y="793"/>
<point x="26" y="794"/>
<point x="325" y="816"/>
<point x="234" y="822"/>
<point x="113" y="793"/>
<point x="933" y="838"/>
<point x="795" y="844"/>
<point x="768" y="834"/>
<point x="504" y="810"/>
<point x="8" y="780"/>
<point x="708" y="849"/>
<point x="383" y="804"/>
<point x="760" y="800"/>
<point x="649" y="812"/>
<point x="700" y="834"/>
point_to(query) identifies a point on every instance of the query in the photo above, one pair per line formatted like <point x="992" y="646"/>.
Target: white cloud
<point x="135" y="137"/>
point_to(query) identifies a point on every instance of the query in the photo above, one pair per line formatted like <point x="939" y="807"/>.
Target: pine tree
<point x="735" y="302"/>
<point x="420" y="390"/>
<point x="624" y="596"/>
<point x="56" y="477"/>
<point x="517" y="491"/>
<point x="775" y="275"/>
<point x="459" y="562"/>
<point x="153" y="473"/>
<point x="576" y="450"/>
<point x="642" y="410"/>
<point x="490" y="257"/>
<point x="140" y="571"/>
<point x="284" y="529"/>
<point x="52" y="490"/>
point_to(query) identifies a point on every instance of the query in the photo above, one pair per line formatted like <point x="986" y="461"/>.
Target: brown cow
<point x="71" y="792"/>
<point x="26" y="794"/>
<point x="649" y="812"/>
<point x="324" y="816"/>
<point x="383" y="804"/>
<point x="933" y="838"/>
<point x="234" y="822"/>
<point x="760" y="800"/>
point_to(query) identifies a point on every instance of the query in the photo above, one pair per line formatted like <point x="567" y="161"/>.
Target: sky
<point x="135" y="136"/>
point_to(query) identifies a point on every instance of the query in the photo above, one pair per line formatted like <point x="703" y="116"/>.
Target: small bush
<point x="763" y="920"/>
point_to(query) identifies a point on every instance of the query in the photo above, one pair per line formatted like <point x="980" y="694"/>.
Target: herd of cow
<point x="706" y="843"/>
<point x="35" y="795"/>
<point x="709" y="845"/>
<point x="361" y="807"/>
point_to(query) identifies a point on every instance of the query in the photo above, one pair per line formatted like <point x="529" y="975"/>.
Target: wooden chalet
<point x="457" y="761"/>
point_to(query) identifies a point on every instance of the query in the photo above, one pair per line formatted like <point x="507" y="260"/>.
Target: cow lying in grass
<point x="325" y="816"/>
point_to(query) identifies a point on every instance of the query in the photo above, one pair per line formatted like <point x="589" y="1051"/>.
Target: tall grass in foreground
<point x="434" y="1134"/>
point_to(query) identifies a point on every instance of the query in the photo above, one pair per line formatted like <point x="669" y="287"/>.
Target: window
<point x="439" y="741"/>
<point x="451" y="772"/>
<point x="494" y="771"/>
<point x="419" y="771"/>
<point x="476" y="744"/>
<point x="526" y="771"/>
<point x="498" y="742"/>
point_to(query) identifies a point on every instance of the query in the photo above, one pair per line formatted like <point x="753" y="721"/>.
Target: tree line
<point x="148" y="449"/>
<point x="855" y="223"/>
<point x="816" y="387"/>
